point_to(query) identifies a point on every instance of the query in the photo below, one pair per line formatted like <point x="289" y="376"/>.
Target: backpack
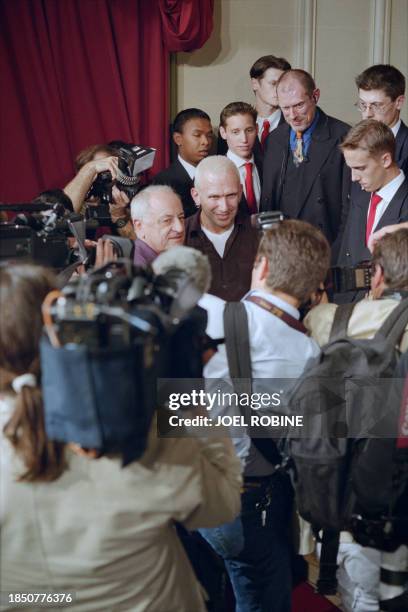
<point x="343" y="401"/>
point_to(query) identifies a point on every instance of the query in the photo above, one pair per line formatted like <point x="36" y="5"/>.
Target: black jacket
<point x="353" y="248"/>
<point x="401" y="147"/>
<point x="325" y="179"/>
<point x="178" y="178"/>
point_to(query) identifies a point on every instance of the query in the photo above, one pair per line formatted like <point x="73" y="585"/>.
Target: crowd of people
<point x="75" y="522"/>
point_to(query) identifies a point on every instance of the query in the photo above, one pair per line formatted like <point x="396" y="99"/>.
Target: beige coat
<point x="107" y="532"/>
<point x="367" y="317"/>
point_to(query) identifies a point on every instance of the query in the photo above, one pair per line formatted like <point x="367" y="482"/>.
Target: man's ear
<point x="316" y="95"/>
<point x="377" y="281"/>
<point x="263" y="264"/>
<point x="399" y="102"/>
<point x="196" y="196"/>
<point x="386" y="159"/>
<point x="255" y="84"/>
<point x="177" y="138"/>
<point x="137" y="224"/>
<point x="222" y="132"/>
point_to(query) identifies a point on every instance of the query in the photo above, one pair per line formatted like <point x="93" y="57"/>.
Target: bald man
<point x="304" y="173"/>
<point x="219" y="230"/>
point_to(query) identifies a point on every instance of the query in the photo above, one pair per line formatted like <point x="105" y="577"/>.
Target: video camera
<point x="40" y="236"/>
<point x="110" y="335"/>
<point x="132" y="161"/>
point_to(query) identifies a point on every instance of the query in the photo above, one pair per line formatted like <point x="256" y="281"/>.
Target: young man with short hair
<point x="238" y="129"/>
<point x="369" y="152"/>
<point x="381" y="95"/>
<point x="265" y="74"/>
<point x="193" y="136"/>
<point x="291" y="262"/>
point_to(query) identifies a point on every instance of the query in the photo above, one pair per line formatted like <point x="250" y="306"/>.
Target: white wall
<point x="333" y="39"/>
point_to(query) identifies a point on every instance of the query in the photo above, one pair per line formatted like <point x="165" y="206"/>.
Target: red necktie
<point x="249" y="189"/>
<point x="265" y="132"/>
<point x="374" y="202"/>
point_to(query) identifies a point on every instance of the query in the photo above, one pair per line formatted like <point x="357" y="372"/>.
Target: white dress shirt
<point x="395" y="128"/>
<point x="240" y="164"/>
<point x="189" y="168"/>
<point x="386" y="193"/>
<point x="273" y="121"/>
<point x="277" y="352"/>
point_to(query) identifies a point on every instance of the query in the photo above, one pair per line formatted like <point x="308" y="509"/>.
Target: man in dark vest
<point x="304" y="173"/>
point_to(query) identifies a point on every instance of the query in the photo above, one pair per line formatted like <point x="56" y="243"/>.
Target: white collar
<point x="238" y="161"/>
<point x="189" y="168"/>
<point x="390" y="189"/>
<point x="274" y="117"/>
<point x="396" y="127"/>
<point x="276" y="301"/>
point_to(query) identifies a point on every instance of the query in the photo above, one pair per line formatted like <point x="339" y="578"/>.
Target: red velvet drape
<point x="187" y="24"/>
<point x="80" y="72"/>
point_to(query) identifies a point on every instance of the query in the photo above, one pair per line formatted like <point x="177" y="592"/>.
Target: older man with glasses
<point x="381" y="95"/>
<point x="304" y="173"/>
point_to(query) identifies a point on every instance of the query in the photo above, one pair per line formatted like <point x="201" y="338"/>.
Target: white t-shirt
<point x="218" y="240"/>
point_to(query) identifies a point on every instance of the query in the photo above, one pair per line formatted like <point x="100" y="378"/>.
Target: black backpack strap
<point x="327" y="581"/>
<point x="340" y="321"/>
<point x="239" y="363"/>
<point x="237" y="344"/>
<point x="394" y="325"/>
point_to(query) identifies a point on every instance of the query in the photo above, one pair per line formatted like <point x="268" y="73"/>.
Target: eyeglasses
<point x="376" y="107"/>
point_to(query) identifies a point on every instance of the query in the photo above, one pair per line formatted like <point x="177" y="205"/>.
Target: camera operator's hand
<point x="119" y="208"/>
<point x="120" y="214"/>
<point x="81" y="183"/>
<point x="104" y="253"/>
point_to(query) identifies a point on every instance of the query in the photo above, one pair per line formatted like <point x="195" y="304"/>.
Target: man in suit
<point x="264" y="74"/>
<point x="304" y="173"/>
<point x="193" y="136"/>
<point x="369" y="151"/>
<point x="381" y="95"/>
<point x="238" y="129"/>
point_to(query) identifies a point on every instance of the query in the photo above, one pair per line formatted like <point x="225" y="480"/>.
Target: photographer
<point x="89" y="163"/>
<point x="74" y="524"/>
<point x="359" y="567"/>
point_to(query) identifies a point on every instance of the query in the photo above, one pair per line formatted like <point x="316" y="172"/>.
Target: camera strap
<point x="278" y="312"/>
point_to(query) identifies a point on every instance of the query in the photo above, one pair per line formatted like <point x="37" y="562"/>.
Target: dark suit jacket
<point x="177" y="177"/>
<point x="401" y="147"/>
<point x="353" y="248"/>
<point x="325" y="179"/>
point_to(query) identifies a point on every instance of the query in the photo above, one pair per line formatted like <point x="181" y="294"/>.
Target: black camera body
<point x="132" y="161"/>
<point x="40" y="237"/>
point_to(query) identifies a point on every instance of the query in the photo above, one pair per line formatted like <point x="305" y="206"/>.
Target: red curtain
<point x="81" y="72"/>
<point x="186" y="25"/>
